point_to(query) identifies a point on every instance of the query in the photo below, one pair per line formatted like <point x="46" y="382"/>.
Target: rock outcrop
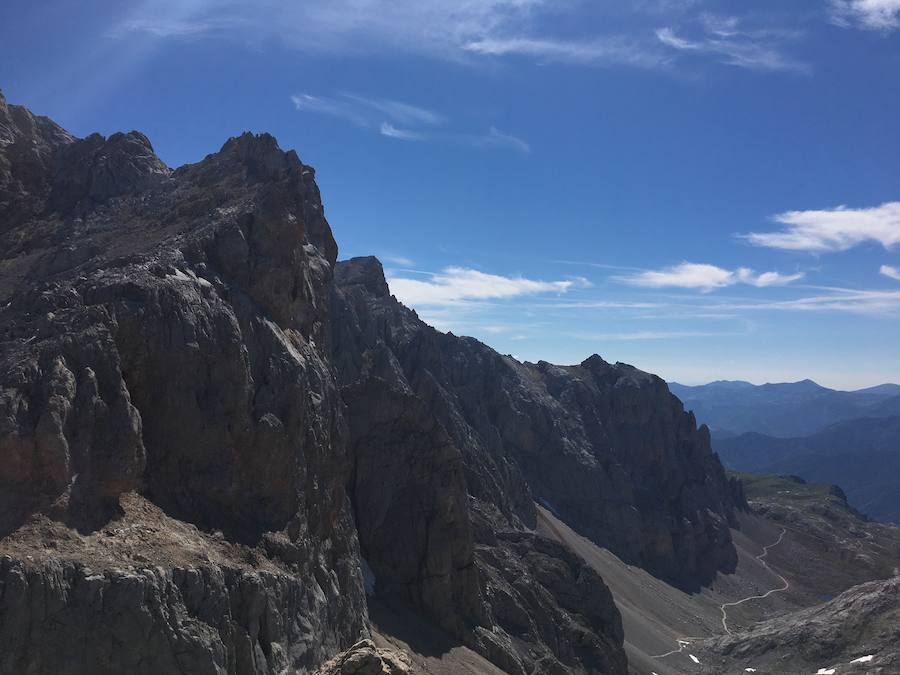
<point x="364" y="658"/>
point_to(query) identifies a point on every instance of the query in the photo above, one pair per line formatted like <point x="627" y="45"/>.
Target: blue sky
<point x="705" y="189"/>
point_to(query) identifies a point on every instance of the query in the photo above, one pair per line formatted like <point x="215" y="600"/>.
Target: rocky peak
<point x="93" y="170"/>
<point x="366" y="271"/>
<point x="28" y="144"/>
<point x="261" y="155"/>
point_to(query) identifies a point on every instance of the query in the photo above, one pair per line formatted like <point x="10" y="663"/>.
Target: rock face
<point x="606" y="447"/>
<point x="166" y="331"/>
<point x="523" y="602"/>
<point x="63" y="618"/>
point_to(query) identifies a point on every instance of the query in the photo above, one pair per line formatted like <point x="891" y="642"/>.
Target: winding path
<point x="685" y="641"/>
<point x="785" y="584"/>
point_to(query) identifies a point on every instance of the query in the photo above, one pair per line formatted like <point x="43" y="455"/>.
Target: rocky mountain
<point x="606" y="447"/>
<point x="782" y="410"/>
<point x="862" y="455"/>
<point x="164" y="362"/>
<point x="209" y="450"/>
<point x="224" y="452"/>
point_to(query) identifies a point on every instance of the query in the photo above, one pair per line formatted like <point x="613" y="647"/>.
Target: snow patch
<point x="368" y="577"/>
<point x="694" y="658"/>
<point x="863" y="659"/>
<point x="826" y="671"/>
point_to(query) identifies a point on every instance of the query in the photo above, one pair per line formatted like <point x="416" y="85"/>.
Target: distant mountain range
<point x="861" y="455"/>
<point x="786" y="410"/>
<point x="850" y="438"/>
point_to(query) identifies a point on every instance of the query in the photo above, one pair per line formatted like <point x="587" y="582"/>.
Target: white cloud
<point x="497" y="139"/>
<point x="890" y="272"/>
<point x="329" y="106"/>
<point x="446" y="29"/>
<point x="366" y="112"/>
<point x="835" y="229"/>
<point x="746" y="276"/>
<point x="400" y="112"/>
<point x="870" y="14"/>
<point x="389" y="130"/>
<point x="456" y="285"/>
<point x="436" y="27"/>
<point x="606" y="51"/>
<point x="854" y="301"/>
<point x="400" y="260"/>
<point x="725" y="39"/>
<point x="643" y="335"/>
<point x="704" y="277"/>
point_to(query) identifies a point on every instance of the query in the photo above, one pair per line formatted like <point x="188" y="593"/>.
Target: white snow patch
<point x="826" y="671"/>
<point x="694" y="658"/>
<point x="749" y="670"/>
<point x="863" y="659"/>
<point x="368" y="577"/>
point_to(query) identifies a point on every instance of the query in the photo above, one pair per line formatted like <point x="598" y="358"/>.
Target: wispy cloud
<point x="398" y="111"/>
<point x="725" y="39"/>
<point x="366" y="112"/>
<point x="870" y="14"/>
<point x="389" y="130"/>
<point x="399" y="260"/>
<point x="437" y="28"/>
<point x="854" y="301"/>
<point x="890" y="272"/>
<point x="472" y="31"/>
<point x="837" y="229"/>
<point x="704" y="277"/>
<point x="456" y="285"/>
<point x="495" y="138"/>
<point x="406" y="122"/>
<point x="322" y="105"/>
<point x="643" y="335"/>
<point x="614" y="50"/>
